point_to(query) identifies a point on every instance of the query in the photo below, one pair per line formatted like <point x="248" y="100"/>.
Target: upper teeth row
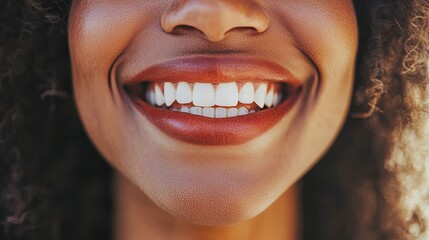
<point x="208" y="95"/>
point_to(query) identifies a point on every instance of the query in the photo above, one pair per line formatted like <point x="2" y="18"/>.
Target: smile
<point x="214" y="100"/>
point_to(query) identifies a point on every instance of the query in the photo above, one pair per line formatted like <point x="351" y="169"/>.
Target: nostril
<point x="244" y="30"/>
<point x="215" y="18"/>
<point x="184" y="28"/>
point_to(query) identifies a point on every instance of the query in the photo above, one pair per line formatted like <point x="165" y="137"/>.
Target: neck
<point x="138" y="218"/>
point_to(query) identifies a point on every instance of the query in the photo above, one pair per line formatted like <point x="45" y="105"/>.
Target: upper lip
<point x="215" y="69"/>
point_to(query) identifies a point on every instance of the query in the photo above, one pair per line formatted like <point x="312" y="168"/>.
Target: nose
<point x="215" y="17"/>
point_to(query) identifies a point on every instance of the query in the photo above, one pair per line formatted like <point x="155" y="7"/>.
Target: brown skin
<point x="139" y="218"/>
<point x="206" y="185"/>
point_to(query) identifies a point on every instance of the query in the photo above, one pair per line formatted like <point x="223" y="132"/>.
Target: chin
<point x="212" y="208"/>
<point x="217" y="199"/>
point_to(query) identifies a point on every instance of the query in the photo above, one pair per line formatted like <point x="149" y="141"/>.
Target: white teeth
<point x="196" y="111"/>
<point x="269" y="98"/>
<point x="243" y="111"/>
<point x="260" y="95"/>
<point x="159" y="96"/>
<point x="184" y="109"/>
<point x="169" y="93"/>
<point x="232" y="112"/>
<point x="227" y="94"/>
<point x="213" y="112"/>
<point x="208" y="112"/>
<point x="203" y="95"/>
<point x="220" y="112"/>
<point x="247" y="93"/>
<point x="277" y="99"/>
<point x="183" y="93"/>
<point x="203" y="99"/>
<point x="150" y="97"/>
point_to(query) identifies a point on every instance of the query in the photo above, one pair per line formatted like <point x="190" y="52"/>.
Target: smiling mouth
<point x="223" y="100"/>
<point x="213" y="100"/>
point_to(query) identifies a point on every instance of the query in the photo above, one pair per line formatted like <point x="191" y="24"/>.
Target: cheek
<point x="326" y="32"/>
<point x="98" y="33"/>
<point x="95" y="40"/>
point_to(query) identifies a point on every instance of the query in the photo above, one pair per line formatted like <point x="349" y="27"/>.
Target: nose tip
<point x="215" y="17"/>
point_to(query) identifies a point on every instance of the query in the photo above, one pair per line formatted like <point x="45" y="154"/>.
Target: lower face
<point x="212" y="130"/>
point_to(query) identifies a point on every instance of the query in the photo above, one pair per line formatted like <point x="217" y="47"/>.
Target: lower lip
<point x="200" y="130"/>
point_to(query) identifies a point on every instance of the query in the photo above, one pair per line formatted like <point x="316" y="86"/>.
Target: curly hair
<point x="54" y="185"/>
<point x="375" y="178"/>
<point x="372" y="184"/>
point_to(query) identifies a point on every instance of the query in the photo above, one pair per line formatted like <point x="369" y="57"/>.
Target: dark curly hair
<point x="372" y="184"/>
<point x="54" y="185"/>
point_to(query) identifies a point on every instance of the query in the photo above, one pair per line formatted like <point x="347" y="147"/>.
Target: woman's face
<point x="213" y="108"/>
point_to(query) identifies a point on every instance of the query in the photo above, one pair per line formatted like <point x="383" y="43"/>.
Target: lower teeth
<point x="215" y="112"/>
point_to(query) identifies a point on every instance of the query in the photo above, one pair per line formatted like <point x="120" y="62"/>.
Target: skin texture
<point x="137" y="217"/>
<point x="206" y="185"/>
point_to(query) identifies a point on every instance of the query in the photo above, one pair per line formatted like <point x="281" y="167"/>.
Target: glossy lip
<point x="216" y="69"/>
